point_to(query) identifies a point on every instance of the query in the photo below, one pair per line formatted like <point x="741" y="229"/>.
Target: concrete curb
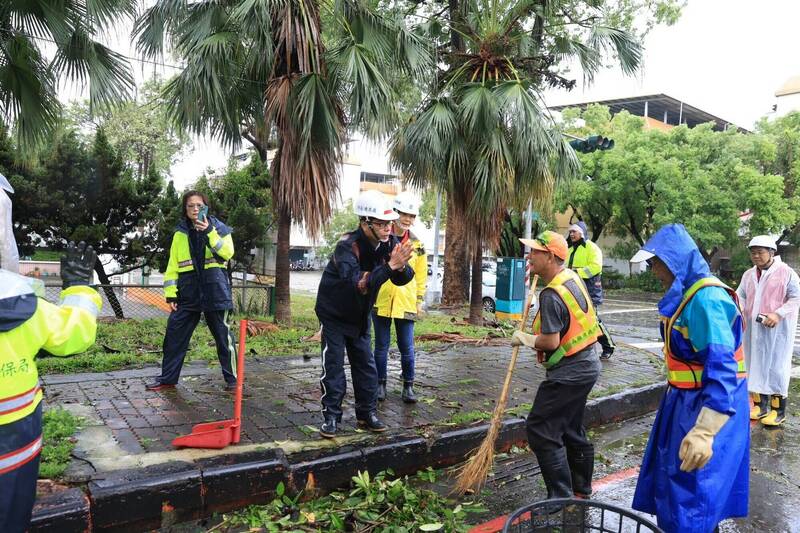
<point x="167" y="494"/>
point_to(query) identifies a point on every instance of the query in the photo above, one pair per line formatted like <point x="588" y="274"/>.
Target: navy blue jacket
<point x="344" y="299"/>
<point x="203" y="289"/>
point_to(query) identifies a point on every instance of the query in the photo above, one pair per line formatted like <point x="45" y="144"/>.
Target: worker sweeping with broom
<point x="565" y="330"/>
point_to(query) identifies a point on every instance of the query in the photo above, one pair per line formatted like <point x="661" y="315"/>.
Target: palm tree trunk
<point x="454" y="288"/>
<point x="283" y="311"/>
<point x="476" y="297"/>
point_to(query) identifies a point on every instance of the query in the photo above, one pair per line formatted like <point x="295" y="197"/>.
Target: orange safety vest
<point x="583" y="327"/>
<point x="684" y="374"/>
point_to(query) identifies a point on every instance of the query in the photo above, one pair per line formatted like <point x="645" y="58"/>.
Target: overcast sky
<point x="726" y="57"/>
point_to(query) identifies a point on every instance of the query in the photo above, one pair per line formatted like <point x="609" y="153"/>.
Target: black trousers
<point x="362" y="371"/>
<point x="605" y="339"/>
<point x="556" y="418"/>
<point x="180" y="326"/>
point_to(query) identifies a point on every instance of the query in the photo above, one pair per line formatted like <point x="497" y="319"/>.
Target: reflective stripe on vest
<point x="19" y="457"/>
<point x="79" y="300"/>
<point x="684" y="374"/>
<point x="583" y="329"/>
<point x="19" y="401"/>
<point x="170" y="282"/>
<point x="186" y="263"/>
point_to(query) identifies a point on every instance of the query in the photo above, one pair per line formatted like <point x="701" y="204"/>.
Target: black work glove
<point x="77" y="264"/>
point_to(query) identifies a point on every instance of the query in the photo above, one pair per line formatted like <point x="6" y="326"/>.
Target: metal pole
<point x="436" y="294"/>
<point x="528" y="223"/>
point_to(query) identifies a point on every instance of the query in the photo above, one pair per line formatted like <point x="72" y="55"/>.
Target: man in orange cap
<point x="565" y="331"/>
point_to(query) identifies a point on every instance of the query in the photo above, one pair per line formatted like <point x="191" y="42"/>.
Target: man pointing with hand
<point x="363" y="260"/>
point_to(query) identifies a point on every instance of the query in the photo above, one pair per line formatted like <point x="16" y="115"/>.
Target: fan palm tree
<point x="258" y="70"/>
<point x="483" y="134"/>
<point x="32" y="30"/>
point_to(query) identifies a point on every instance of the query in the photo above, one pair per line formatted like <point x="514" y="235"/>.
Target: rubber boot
<point x="555" y="472"/>
<point x="408" y="392"/>
<point x="581" y="466"/>
<point x="760" y="407"/>
<point x="777" y="413"/>
<point x="381" y="390"/>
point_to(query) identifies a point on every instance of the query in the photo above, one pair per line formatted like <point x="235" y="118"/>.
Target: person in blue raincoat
<point x="695" y="470"/>
<point x="196" y="281"/>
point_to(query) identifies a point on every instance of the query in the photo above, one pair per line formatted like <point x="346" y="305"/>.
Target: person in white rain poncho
<point x="769" y="295"/>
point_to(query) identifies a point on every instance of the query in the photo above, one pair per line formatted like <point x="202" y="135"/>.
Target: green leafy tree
<point x="78" y="192"/>
<point x="343" y="220"/>
<point x="259" y="71"/>
<point x="699" y="177"/>
<point x="42" y="43"/>
<point x="139" y="130"/>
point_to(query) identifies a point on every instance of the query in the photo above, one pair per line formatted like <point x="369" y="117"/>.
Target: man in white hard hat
<point x="769" y="295"/>
<point x="401" y="304"/>
<point x="28" y="324"/>
<point x="362" y="261"/>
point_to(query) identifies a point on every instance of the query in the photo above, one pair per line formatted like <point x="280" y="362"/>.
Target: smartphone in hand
<point x="201" y="216"/>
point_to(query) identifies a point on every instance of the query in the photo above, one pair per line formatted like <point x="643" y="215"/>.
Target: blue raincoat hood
<point x="676" y="248"/>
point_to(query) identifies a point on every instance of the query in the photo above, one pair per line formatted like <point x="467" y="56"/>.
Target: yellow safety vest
<point x="685" y="374"/>
<point x="401" y="302"/>
<point x="217" y="253"/>
<point x="63" y="329"/>
<point x="583" y="328"/>
<point x="586" y="259"/>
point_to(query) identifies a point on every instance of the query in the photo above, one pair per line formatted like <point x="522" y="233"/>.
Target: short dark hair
<point x="189" y="194"/>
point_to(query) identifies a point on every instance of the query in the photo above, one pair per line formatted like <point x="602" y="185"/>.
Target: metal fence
<point x="147" y="301"/>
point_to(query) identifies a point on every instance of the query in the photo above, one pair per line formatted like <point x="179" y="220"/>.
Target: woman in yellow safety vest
<point x="196" y="281"/>
<point x="403" y="304"/>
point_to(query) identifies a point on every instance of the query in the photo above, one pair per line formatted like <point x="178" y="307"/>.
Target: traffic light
<point x="590" y="144"/>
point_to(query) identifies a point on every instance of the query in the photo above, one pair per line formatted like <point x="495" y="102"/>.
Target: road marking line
<point x="646" y="345"/>
<point x="618" y="311"/>
<point x="496" y="524"/>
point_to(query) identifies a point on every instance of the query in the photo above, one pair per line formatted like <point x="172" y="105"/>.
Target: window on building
<point x="372" y="177"/>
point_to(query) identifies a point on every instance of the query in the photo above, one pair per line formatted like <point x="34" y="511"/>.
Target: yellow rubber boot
<point x="760" y="407"/>
<point x="777" y="413"/>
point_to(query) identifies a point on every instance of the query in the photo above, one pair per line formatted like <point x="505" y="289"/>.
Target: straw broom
<point x="473" y="473"/>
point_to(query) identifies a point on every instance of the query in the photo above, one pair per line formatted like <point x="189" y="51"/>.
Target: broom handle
<point x="515" y="351"/>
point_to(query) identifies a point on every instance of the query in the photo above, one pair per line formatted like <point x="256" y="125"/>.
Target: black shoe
<point x="156" y="386"/>
<point x="607" y="353"/>
<point x="329" y="427"/>
<point x="230" y="387"/>
<point x="381" y="390"/>
<point x="408" y="392"/>
<point x="372" y="423"/>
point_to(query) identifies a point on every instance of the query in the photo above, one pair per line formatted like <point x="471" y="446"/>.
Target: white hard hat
<point x="405" y="202"/>
<point x="764" y="241"/>
<point x="374" y="204"/>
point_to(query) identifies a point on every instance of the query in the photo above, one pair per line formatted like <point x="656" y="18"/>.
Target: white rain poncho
<point x="9" y="256"/>
<point x="768" y="351"/>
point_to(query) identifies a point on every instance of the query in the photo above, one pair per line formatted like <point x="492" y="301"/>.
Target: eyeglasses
<point x="195" y="206"/>
<point x="380" y="224"/>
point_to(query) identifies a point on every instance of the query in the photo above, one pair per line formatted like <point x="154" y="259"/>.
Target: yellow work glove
<point x="523" y="339"/>
<point x="695" y="450"/>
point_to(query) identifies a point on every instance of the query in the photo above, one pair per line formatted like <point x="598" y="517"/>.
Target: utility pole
<point x="435" y="294"/>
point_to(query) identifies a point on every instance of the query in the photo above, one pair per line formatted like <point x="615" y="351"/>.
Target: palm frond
<point x="625" y="46"/>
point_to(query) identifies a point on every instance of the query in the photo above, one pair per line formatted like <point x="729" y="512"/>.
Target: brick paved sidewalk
<point x="456" y="386"/>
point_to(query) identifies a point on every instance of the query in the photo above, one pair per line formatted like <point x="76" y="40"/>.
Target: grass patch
<point x="613" y="389"/>
<point x="469" y="416"/>
<point x="59" y="425"/>
<point x="137" y="343"/>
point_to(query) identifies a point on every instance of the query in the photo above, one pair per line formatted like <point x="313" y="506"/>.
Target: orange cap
<point x="549" y="241"/>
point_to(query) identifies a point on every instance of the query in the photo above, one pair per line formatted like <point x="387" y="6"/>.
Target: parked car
<point x="489" y="282"/>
